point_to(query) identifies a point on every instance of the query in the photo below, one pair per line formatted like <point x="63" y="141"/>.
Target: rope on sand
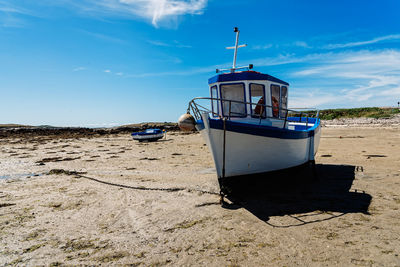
<point x="171" y="189"/>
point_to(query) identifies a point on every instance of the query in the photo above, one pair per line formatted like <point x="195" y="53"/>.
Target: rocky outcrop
<point x="76" y="132"/>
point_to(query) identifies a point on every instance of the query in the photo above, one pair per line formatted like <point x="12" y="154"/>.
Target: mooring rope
<point x="171" y="189"/>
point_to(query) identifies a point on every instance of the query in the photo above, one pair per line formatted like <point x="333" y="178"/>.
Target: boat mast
<point x="232" y="70"/>
<point x="236" y="48"/>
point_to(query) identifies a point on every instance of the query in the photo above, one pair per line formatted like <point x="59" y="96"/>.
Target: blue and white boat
<point x="247" y="125"/>
<point x="148" y="135"/>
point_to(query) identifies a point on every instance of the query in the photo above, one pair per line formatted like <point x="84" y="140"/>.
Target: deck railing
<point x="286" y="115"/>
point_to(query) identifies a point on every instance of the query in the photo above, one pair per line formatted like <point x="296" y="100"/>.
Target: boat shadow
<point x="299" y="194"/>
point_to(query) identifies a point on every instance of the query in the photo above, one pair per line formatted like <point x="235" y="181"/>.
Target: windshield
<point x="233" y="92"/>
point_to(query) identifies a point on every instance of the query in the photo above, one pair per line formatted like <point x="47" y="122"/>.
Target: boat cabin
<point x="244" y="96"/>
<point x="248" y="94"/>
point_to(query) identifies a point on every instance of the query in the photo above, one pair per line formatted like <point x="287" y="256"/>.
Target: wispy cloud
<point x="8" y="7"/>
<point x="361" y="43"/>
<point x="301" y="44"/>
<point x="115" y="73"/>
<point x="11" y="16"/>
<point x="79" y="69"/>
<point x="362" y="77"/>
<point x="392" y="92"/>
<point x="187" y="72"/>
<point x="156" y="11"/>
<point x="11" y="22"/>
<point x="283" y="59"/>
<point x="331" y="79"/>
<point x="258" y="62"/>
<point x="312" y="98"/>
<point x="164" y="44"/>
<point x="352" y="64"/>
<point x="261" y="47"/>
<point x="104" y="37"/>
<point x="317" y="43"/>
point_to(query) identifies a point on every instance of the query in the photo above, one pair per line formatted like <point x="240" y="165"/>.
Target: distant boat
<point x="247" y="125"/>
<point x="148" y="135"/>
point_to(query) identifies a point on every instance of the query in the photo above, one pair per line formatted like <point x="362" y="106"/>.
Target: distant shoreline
<point x="14" y="130"/>
<point x="79" y="132"/>
<point x="393" y="121"/>
<point x="356" y="117"/>
<point x="351" y="116"/>
<point x="134" y="125"/>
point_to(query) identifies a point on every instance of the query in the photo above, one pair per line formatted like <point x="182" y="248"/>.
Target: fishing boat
<point x="148" y="135"/>
<point x="247" y="125"/>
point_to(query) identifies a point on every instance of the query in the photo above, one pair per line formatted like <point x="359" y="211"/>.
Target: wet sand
<point x="109" y="200"/>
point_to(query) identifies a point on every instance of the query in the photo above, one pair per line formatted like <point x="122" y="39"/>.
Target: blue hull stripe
<point x="262" y="130"/>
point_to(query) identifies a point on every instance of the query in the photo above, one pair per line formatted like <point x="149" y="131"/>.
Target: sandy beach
<point x="109" y="200"/>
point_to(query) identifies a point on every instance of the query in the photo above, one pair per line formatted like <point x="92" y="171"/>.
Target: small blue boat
<point x="148" y="135"/>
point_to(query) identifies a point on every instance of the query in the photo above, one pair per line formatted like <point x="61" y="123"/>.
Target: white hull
<point x="251" y="154"/>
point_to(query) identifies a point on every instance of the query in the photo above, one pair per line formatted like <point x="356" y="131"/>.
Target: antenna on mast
<point x="235" y="54"/>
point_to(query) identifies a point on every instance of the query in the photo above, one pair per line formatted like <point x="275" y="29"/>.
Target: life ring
<point x="259" y="109"/>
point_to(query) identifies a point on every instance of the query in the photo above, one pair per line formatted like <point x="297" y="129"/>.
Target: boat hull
<point x="254" y="149"/>
<point x="148" y="137"/>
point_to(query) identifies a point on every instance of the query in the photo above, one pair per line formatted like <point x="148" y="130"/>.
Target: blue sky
<point x="112" y="62"/>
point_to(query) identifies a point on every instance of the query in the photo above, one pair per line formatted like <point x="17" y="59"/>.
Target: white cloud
<point x="11" y="16"/>
<point x="104" y="37"/>
<point x="392" y="92"/>
<point x="158" y="43"/>
<point x="11" y="22"/>
<point x="262" y="47"/>
<point x="301" y="44"/>
<point x="107" y="71"/>
<point x="188" y="72"/>
<point x="173" y="44"/>
<point x="356" y="78"/>
<point x="362" y="64"/>
<point x="311" y="99"/>
<point x="8" y="7"/>
<point x="283" y="60"/>
<point x="156" y="11"/>
<point x="336" y="79"/>
<point x="367" y="42"/>
<point x="79" y="69"/>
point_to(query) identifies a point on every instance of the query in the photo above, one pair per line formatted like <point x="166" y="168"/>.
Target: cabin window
<point x="275" y="97"/>
<point x="214" y="102"/>
<point x="233" y="92"/>
<point x="257" y="99"/>
<point x="284" y="97"/>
